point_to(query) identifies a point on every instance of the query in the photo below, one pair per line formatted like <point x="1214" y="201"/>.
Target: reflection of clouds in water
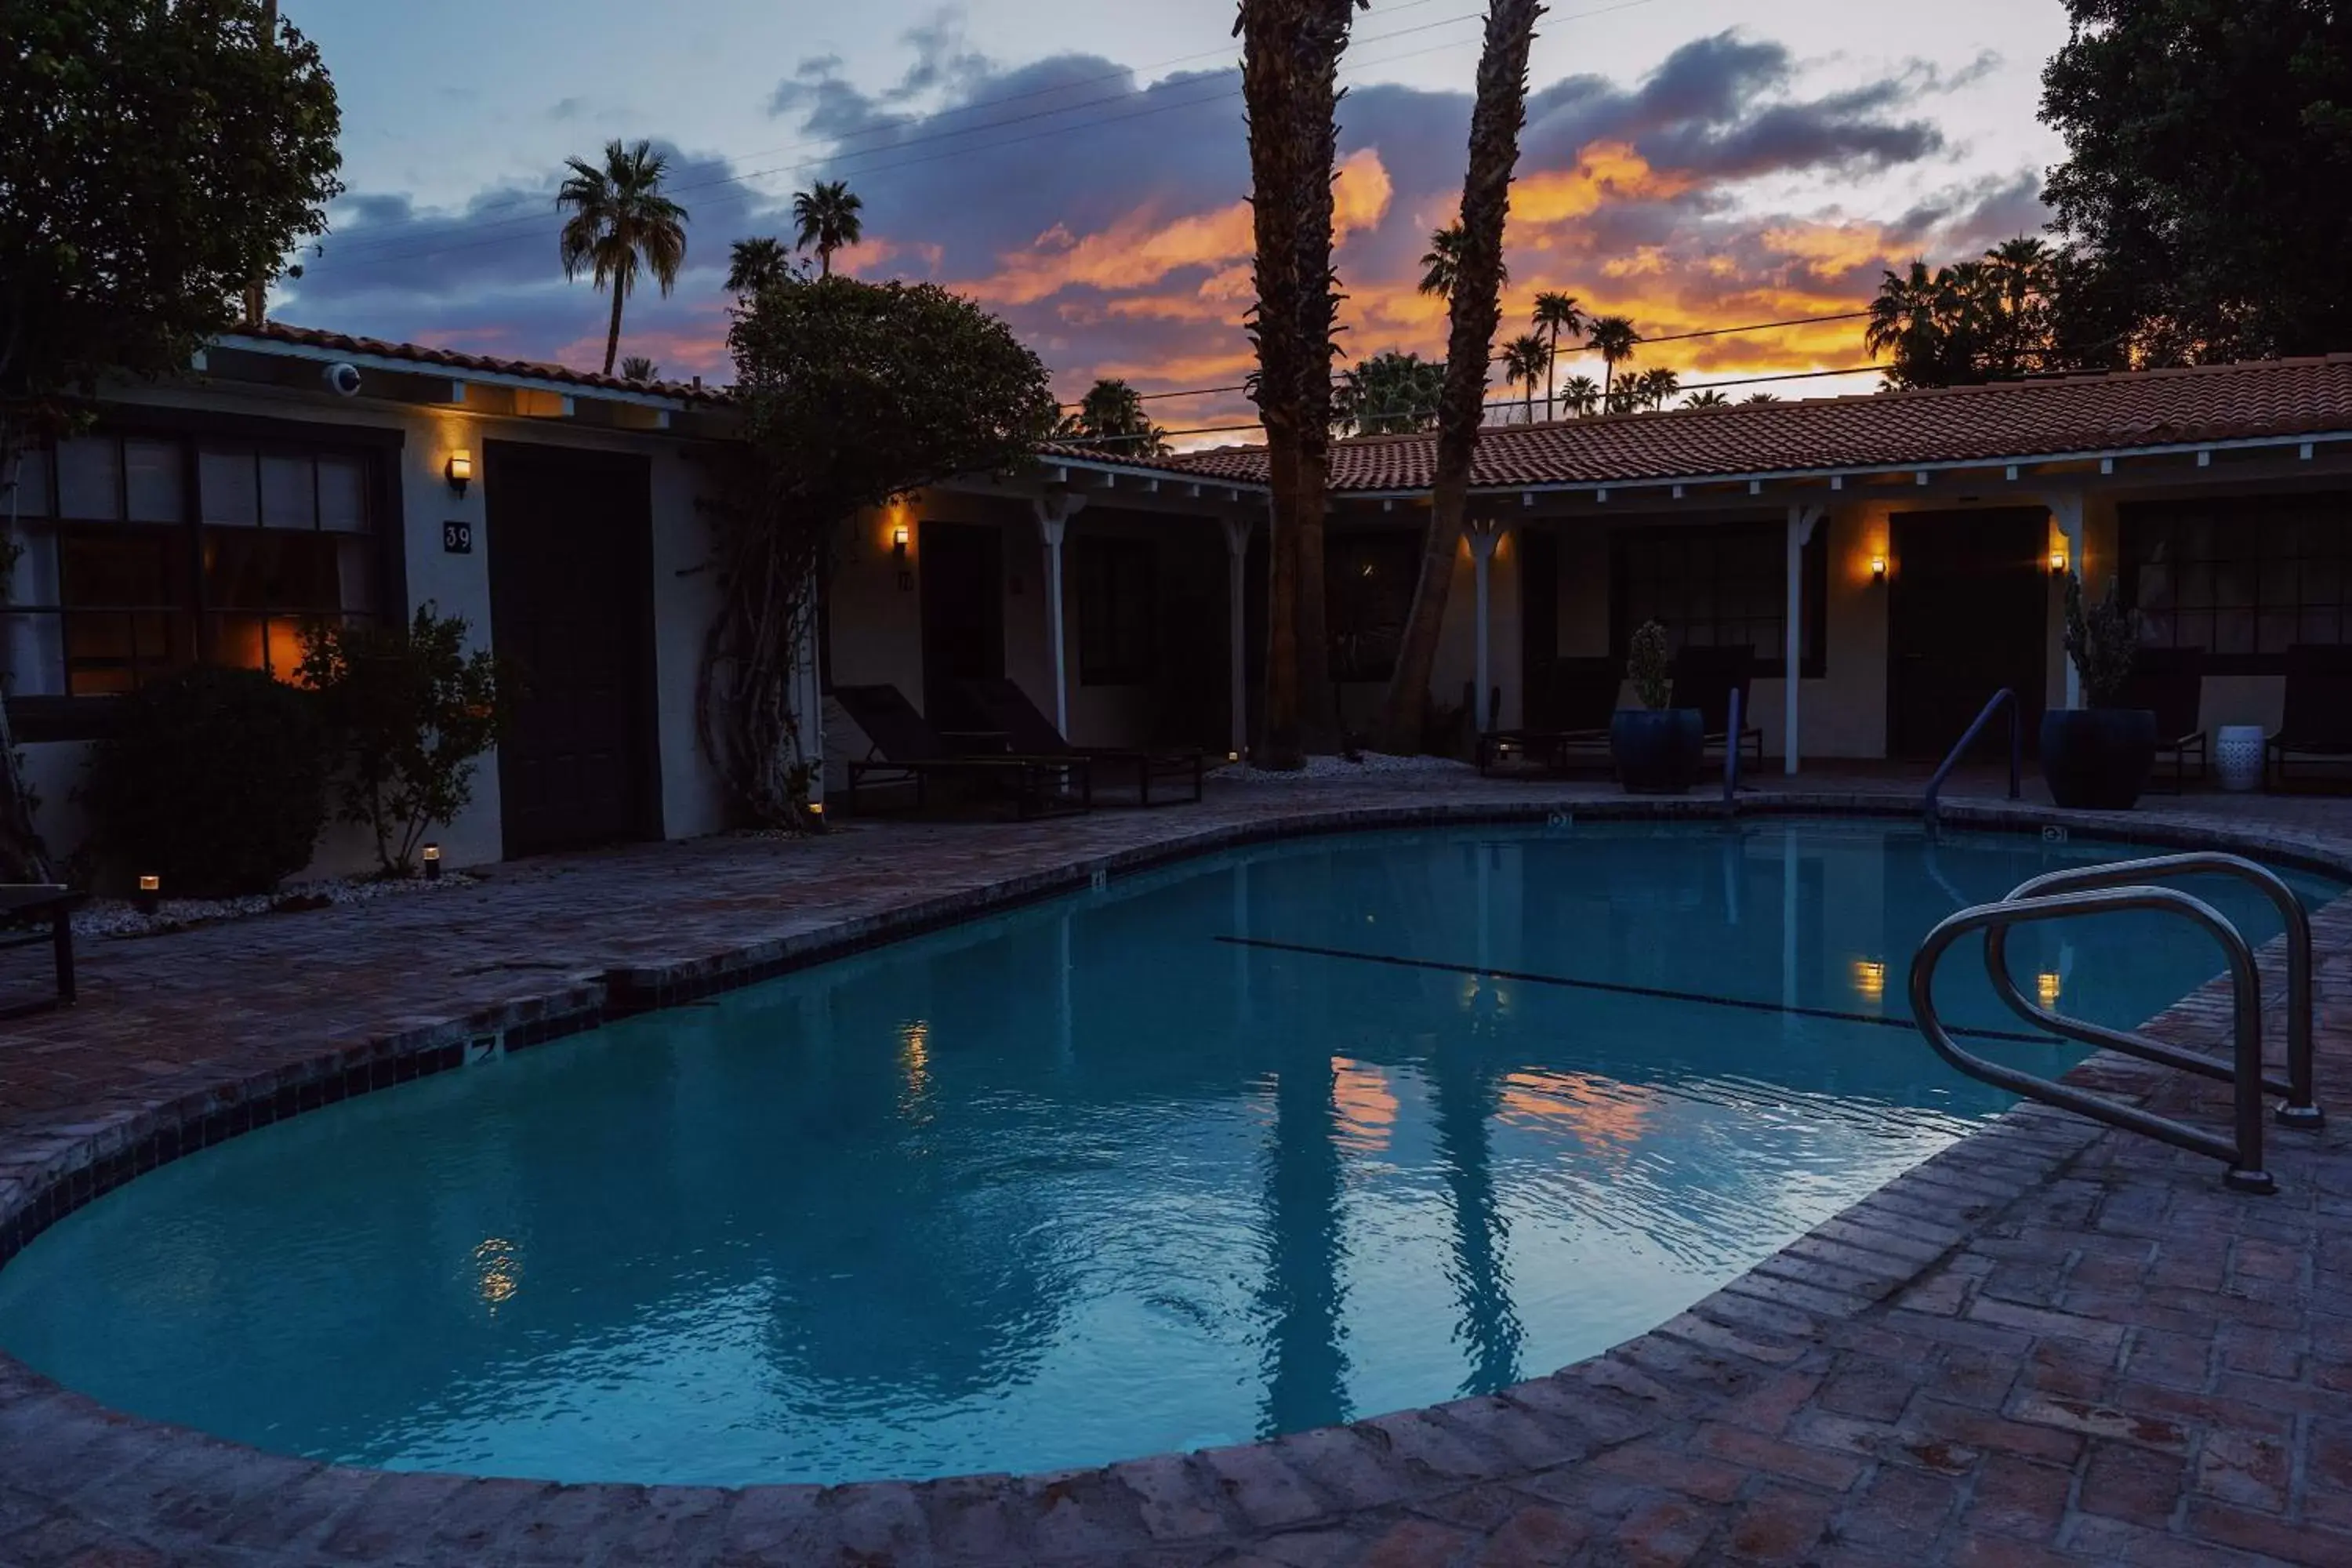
<point x="1364" y="1106"/>
<point x="1605" y="1116"/>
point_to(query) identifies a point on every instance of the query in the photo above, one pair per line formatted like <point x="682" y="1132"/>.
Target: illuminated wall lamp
<point x="898" y="554"/>
<point x="459" y="470"/>
<point x="2057" y="563"/>
<point x="151" y="891"/>
<point x="1878" y="569"/>
<point x="432" y="857"/>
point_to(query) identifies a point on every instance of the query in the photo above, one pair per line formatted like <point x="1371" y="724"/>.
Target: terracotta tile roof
<point x="450" y="359"/>
<point x="2021" y="419"/>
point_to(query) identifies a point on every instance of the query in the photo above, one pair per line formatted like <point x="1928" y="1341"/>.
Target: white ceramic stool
<point x="2238" y="756"/>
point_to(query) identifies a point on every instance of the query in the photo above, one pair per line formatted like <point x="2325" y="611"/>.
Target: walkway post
<point x="1803" y="518"/>
<point x="1054" y="509"/>
<point x="1237" y="538"/>
<point x="1484" y="534"/>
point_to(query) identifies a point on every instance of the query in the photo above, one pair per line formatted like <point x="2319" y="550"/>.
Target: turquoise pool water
<point x="1250" y="1143"/>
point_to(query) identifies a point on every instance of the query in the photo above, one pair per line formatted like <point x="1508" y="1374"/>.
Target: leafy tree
<point x="1474" y="310"/>
<point x="1526" y="360"/>
<point x="2209" y="150"/>
<point x="1707" y="397"/>
<point x="1985" y="320"/>
<point x="1110" y="418"/>
<point x="1555" y="313"/>
<point x="757" y="263"/>
<point x="621" y="224"/>
<point x="1580" y="395"/>
<point x="1388" y="393"/>
<point x="154" y="159"/>
<point x="1614" y="340"/>
<point x="1290" y="94"/>
<point x="411" y="713"/>
<point x="827" y="217"/>
<point x="637" y="367"/>
<point x="851" y="394"/>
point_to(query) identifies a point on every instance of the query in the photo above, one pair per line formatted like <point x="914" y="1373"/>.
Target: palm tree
<point x="1707" y="397"/>
<point x="1290" y="95"/>
<point x="1526" y="360"/>
<point x="757" y="263"/>
<point x="827" y="215"/>
<point x="1443" y="257"/>
<point x="1761" y="397"/>
<point x="1652" y="388"/>
<point x="1581" y="394"/>
<point x="620" y="224"/>
<point x="637" y="367"/>
<point x="1111" y="416"/>
<point x="1614" y="338"/>
<point x="1555" y="313"/>
<point x="1388" y="393"/>
<point x="1474" y="310"/>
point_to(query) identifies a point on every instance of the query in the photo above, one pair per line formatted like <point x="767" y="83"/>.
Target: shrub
<point x="2102" y="640"/>
<point x="217" y="782"/>
<point x="409" y="712"/>
<point x="1649" y="666"/>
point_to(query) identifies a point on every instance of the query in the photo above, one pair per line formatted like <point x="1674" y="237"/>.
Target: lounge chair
<point x="906" y="750"/>
<point x="1569" y="703"/>
<point x="34" y="914"/>
<point x="2317" y="721"/>
<point x="2170" y="682"/>
<point x="996" y="711"/>
<point x="1705" y="679"/>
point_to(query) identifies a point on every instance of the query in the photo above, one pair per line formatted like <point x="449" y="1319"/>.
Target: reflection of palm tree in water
<point x="1465" y="1093"/>
<point x="1306" y="1371"/>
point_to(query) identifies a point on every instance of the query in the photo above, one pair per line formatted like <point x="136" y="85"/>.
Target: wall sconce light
<point x="898" y="554"/>
<point x="459" y="470"/>
<point x="432" y="854"/>
<point x="1878" y="569"/>
<point x="2058" y="563"/>
<point x="151" y="891"/>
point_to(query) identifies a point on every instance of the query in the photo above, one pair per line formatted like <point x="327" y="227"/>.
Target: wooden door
<point x="962" y="567"/>
<point x="1967" y="614"/>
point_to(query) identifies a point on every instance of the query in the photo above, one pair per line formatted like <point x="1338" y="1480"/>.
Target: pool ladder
<point x="2131" y="885"/>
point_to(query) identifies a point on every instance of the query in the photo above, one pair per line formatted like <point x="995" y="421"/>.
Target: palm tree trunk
<point x="1551" y="374"/>
<point x="613" y="336"/>
<point x="1474" y="310"/>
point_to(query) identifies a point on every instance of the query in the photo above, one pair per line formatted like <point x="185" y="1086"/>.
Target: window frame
<point x="62" y="717"/>
<point x="1771" y="664"/>
<point x="2137" y="524"/>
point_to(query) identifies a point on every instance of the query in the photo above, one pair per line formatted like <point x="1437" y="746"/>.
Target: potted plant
<point x="2098" y="756"/>
<point x="1656" y="748"/>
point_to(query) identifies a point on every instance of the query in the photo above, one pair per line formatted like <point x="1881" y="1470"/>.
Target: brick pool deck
<point x="2050" y="1344"/>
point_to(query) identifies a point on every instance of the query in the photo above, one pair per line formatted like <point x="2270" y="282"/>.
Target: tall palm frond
<point x="757" y="263"/>
<point x="827" y="215"/>
<point x="620" y="225"/>
<point x="1555" y="313"/>
<point x="1614" y="340"/>
<point x="1525" y="361"/>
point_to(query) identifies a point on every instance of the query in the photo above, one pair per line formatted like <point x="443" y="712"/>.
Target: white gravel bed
<point x="1324" y="770"/>
<point x="123" y="916"/>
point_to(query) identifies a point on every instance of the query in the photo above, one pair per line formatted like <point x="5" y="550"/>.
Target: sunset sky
<point x="1080" y="168"/>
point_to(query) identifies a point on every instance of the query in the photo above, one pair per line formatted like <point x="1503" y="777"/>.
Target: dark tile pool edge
<point x="1761" y="1326"/>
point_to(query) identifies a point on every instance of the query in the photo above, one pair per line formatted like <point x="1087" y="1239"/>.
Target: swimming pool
<point x="1253" y="1142"/>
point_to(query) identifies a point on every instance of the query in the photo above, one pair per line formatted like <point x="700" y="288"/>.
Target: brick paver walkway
<point x="2049" y="1343"/>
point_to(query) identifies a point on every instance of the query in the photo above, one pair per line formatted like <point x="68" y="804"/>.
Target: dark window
<point x="1367" y="593"/>
<point x="140" y="555"/>
<point x="2244" y="579"/>
<point x="1117" y="590"/>
<point x="1720" y="586"/>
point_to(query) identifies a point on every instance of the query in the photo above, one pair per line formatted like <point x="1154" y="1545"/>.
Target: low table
<point x="40" y="904"/>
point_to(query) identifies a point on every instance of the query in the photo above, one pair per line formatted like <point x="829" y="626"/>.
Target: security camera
<point x="344" y="379"/>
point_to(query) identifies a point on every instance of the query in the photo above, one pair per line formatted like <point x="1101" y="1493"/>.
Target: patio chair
<point x="1705" y="679"/>
<point x="997" y="709"/>
<point x="2317" y="721"/>
<point x="906" y="750"/>
<point x="2170" y="682"/>
<point x="36" y="914"/>
<point x="1569" y="703"/>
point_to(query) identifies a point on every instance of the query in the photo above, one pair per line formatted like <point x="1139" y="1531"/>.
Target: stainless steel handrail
<point x="2244" y="1154"/>
<point x="2016" y="750"/>
<point x="2301" y="1110"/>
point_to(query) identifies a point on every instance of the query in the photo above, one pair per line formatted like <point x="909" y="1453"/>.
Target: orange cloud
<point x="1138" y="251"/>
<point x="1603" y="170"/>
<point x="1831" y="247"/>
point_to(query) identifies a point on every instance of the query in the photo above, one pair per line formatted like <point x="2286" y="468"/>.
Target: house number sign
<point x="458" y="538"/>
